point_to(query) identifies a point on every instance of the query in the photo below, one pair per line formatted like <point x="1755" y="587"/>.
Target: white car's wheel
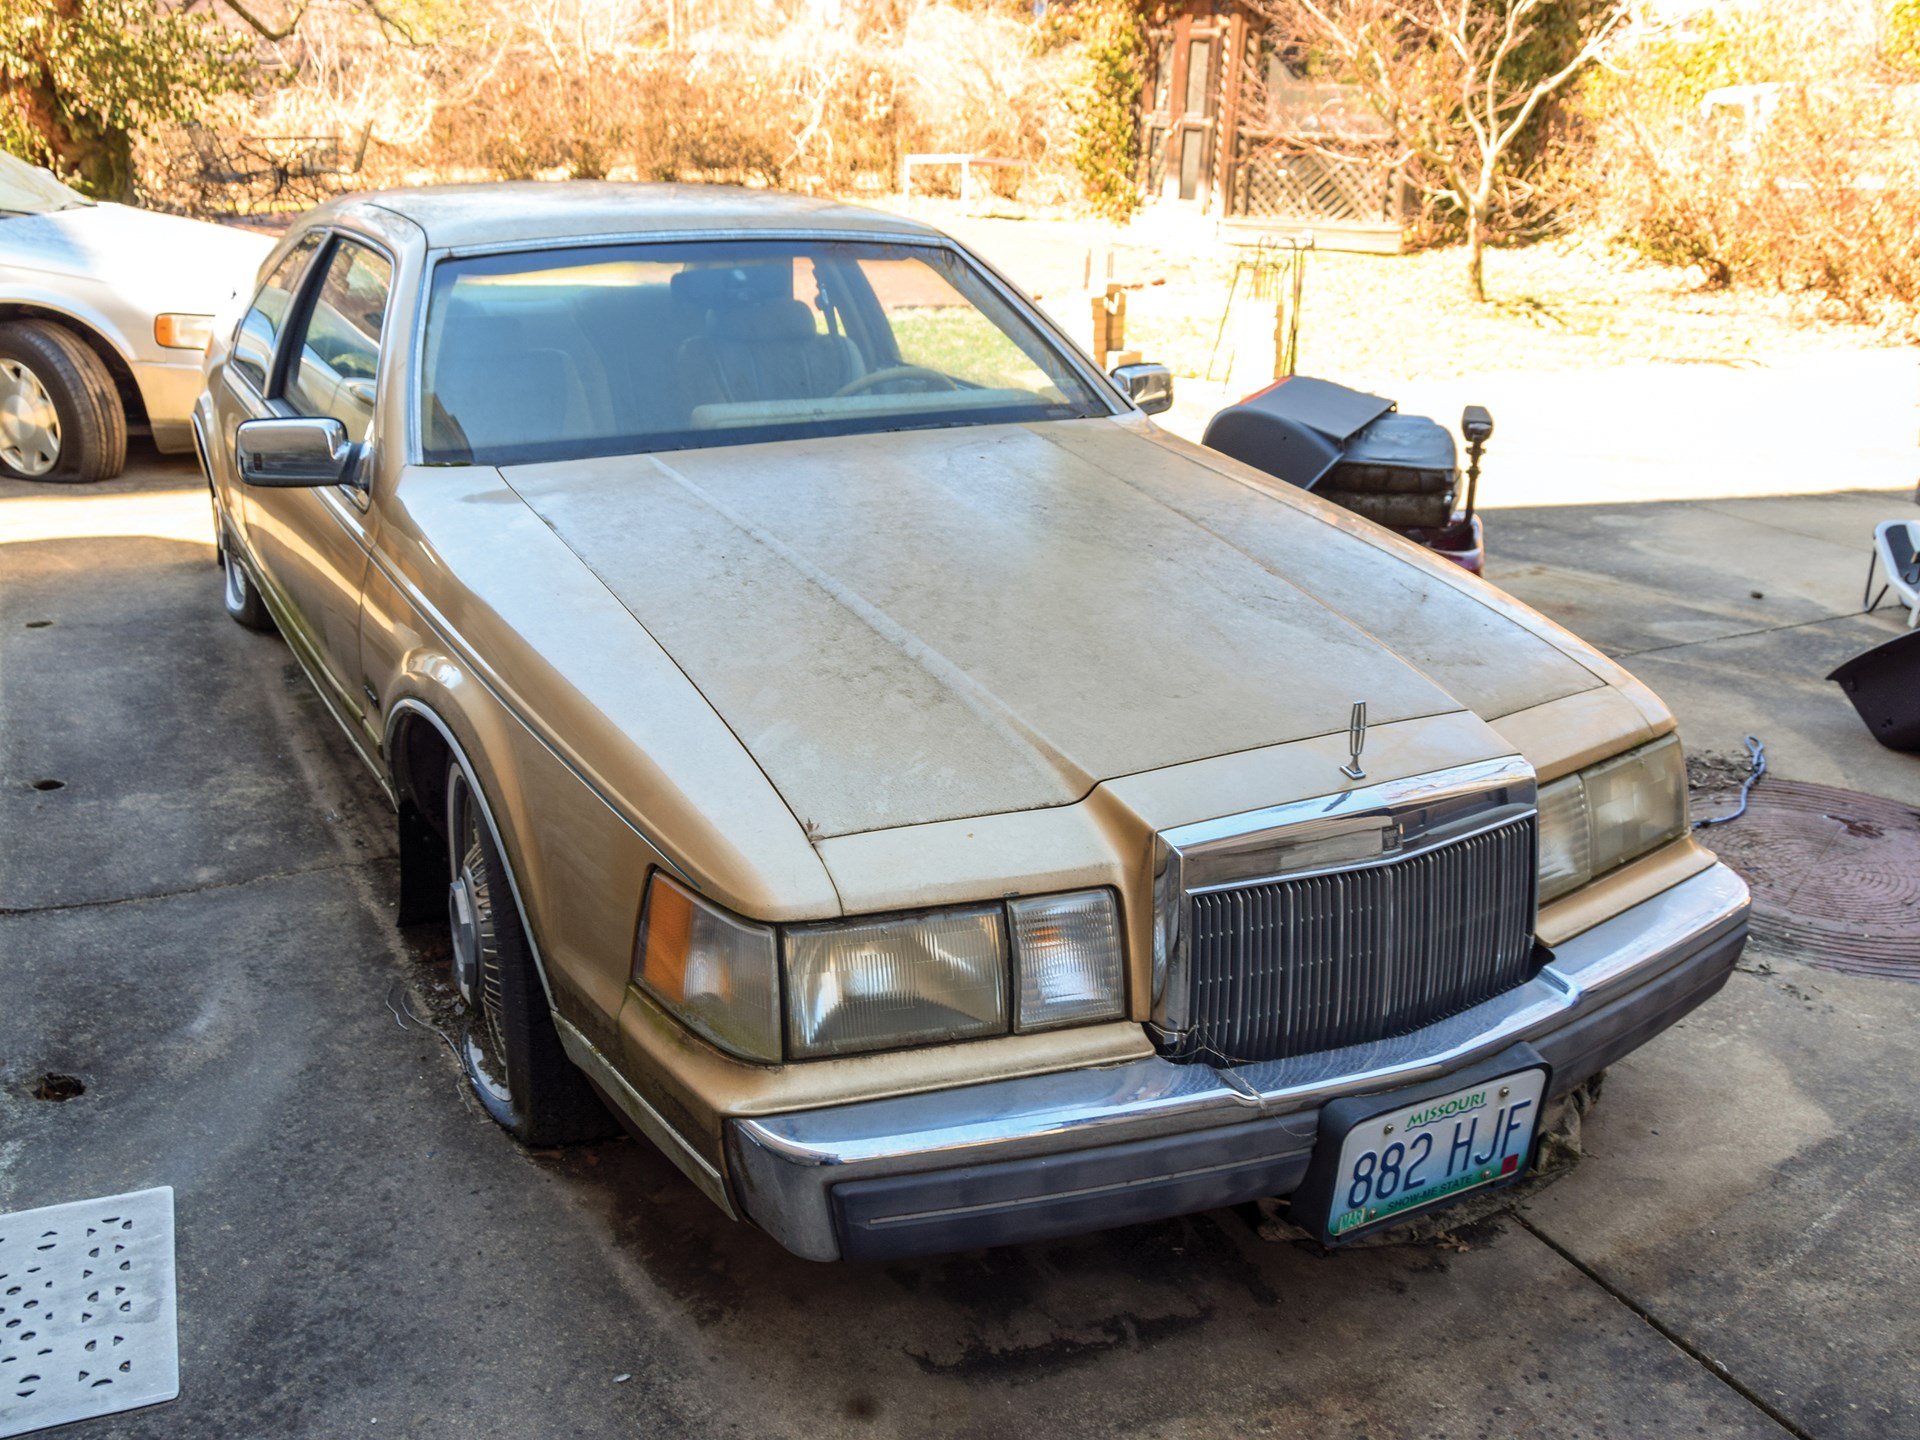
<point x="60" y="416"/>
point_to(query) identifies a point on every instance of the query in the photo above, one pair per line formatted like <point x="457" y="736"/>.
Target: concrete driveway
<point x="195" y="924"/>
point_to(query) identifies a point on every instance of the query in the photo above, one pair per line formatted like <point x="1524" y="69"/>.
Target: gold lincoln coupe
<point x="937" y="807"/>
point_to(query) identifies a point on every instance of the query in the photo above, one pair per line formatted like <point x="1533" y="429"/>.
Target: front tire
<point x="511" y="1050"/>
<point x="60" y="415"/>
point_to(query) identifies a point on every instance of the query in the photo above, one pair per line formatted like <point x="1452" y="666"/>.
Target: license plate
<point x="1425" y="1150"/>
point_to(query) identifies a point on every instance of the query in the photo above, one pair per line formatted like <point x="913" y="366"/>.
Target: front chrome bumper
<point x="1080" y="1150"/>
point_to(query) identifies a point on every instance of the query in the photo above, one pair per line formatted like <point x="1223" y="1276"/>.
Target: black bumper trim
<point x="1014" y="1201"/>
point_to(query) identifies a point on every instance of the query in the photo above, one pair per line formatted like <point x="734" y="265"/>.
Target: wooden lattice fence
<point x="1311" y="186"/>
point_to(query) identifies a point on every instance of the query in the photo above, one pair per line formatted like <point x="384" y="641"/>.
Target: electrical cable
<point x="1756" y="767"/>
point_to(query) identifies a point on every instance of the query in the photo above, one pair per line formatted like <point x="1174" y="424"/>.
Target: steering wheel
<point x="932" y="379"/>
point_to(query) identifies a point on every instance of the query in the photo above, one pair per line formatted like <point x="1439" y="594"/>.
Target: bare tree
<point x="265" y="29"/>
<point x="1441" y="76"/>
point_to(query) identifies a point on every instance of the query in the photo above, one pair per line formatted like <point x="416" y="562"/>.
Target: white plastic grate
<point x="87" y="1321"/>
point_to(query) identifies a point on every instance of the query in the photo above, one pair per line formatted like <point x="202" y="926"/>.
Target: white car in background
<point x="105" y="312"/>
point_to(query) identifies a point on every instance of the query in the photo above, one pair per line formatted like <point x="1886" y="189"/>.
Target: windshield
<point x="622" y="349"/>
<point x="28" y="190"/>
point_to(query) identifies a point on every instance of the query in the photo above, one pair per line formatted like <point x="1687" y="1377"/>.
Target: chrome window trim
<point x="297" y="237"/>
<point x="1412" y="814"/>
<point x="358" y="488"/>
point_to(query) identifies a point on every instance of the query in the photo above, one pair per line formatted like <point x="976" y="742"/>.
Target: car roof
<point x="531" y="212"/>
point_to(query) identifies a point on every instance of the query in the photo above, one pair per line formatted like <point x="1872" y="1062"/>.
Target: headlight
<point x="881" y="982"/>
<point x="183" y="332"/>
<point x="720" y="974"/>
<point x="875" y="984"/>
<point x="1610" y="813"/>
<point x="954" y="974"/>
<point x="1066" y="949"/>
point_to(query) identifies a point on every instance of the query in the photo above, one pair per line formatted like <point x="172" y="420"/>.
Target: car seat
<point x="767" y="349"/>
<point x="506" y="374"/>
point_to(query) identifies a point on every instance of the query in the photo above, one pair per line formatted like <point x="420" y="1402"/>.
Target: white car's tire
<point x="60" y="415"/>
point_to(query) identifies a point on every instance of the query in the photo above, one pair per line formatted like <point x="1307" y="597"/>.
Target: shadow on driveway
<point x="196" y="927"/>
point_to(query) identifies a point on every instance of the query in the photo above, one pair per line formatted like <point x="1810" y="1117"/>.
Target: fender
<point x="606" y="1078"/>
<point x="411" y="706"/>
<point x="65" y="307"/>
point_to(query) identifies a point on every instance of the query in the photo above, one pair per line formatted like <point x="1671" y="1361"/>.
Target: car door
<point x="311" y="544"/>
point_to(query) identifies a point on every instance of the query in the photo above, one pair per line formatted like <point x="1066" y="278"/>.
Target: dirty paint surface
<point x="196" y="931"/>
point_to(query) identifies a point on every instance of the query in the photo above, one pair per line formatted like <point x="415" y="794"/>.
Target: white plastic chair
<point x="1896" y="554"/>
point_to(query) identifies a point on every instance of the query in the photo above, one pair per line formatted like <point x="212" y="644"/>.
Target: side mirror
<point x="1476" y="424"/>
<point x="1149" y="386"/>
<point x="295" y="453"/>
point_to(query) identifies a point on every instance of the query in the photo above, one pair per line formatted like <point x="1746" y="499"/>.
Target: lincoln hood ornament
<point x="1356" y="741"/>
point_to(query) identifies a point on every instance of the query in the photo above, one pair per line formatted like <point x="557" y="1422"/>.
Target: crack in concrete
<point x="362" y="862"/>
<point x="1734" y="509"/>
<point x="1673" y="1337"/>
<point x="1736" y="635"/>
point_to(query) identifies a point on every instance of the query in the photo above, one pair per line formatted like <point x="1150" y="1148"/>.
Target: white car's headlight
<point x="183" y="332"/>
<point x="720" y="974"/>
<point x="1610" y="813"/>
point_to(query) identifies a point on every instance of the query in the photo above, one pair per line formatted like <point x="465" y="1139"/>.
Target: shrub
<point x="1104" y="104"/>
<point x="1812" y="189"/>
<point x="587" y="88"/>
<point x="82" y="80"/>
<point x="1900" y="39"/>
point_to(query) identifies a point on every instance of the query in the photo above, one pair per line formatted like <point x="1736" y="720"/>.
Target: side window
<point x="339" y="350"/>
<point x="260" y="326"/>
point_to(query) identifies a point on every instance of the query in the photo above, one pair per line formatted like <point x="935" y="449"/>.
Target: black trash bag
<point x="1884" y="686"/>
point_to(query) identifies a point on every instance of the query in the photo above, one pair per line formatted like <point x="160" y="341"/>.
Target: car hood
<point x="152" y="261"/>
<point x="939" y="624"/>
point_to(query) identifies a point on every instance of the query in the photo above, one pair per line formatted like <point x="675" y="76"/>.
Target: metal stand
<point x="1477" y="425"/>
<point x="1276" y="273"/>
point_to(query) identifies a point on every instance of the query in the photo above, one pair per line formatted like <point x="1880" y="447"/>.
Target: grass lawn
<point x="1562" y="305"/>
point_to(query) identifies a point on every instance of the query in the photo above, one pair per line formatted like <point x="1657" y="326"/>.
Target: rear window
<point x="623" y="349"/>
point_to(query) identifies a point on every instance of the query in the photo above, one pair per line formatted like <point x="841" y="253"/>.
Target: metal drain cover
<point x="1835" y="875"/>
<point x="87" y="1323"/>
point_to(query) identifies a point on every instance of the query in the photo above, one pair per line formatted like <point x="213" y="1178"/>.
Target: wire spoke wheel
<point x="234" y="579"/>
<point x="29" y="421"/>
<point x="474" y="897"/>
<point x="238" y="596"/>
<point x="510" y="1047"/>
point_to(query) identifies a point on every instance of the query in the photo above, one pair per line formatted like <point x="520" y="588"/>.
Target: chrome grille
<point x="1296" y="965"/>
